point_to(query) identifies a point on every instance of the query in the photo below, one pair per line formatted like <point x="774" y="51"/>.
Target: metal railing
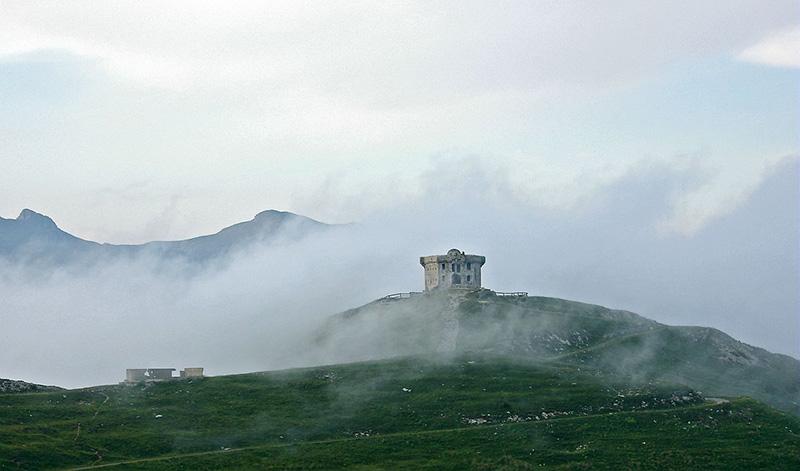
<point x="397" y="296"/>
<point x="394" y="296"/>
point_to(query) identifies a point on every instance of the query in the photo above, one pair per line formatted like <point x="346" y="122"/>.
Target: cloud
<point x="269" y="102"/>
<point x="84" y="326"/>
<point x="777" y="50"/>
<point x="392" y="53"/>
<point x="721" y="193"/>
<point x="704" y="189"/>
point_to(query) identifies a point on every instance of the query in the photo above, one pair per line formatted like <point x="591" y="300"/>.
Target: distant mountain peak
<point x="29" y="216"/>
<point x="35" y="237"/>
<point x="271" y="213"/>
<point x="274" y="215"/>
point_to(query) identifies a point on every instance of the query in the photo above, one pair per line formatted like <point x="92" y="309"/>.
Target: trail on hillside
<point x="601" y="345"/>
<point x="447" y="343"/>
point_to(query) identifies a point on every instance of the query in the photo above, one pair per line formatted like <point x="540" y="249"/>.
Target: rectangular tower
<point x="456" y="270"/>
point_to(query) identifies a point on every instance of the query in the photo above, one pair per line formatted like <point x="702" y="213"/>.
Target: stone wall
<point x="453" y="270"/>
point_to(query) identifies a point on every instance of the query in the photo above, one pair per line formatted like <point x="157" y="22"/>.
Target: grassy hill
<point x="438" y="412"/>
<point x="474" y="381"/>
<point x="619" y="344"/>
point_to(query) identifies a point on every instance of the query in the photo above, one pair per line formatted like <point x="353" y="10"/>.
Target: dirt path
<point x="94" y="416"/>
<point x="447" y="343"/>
<point x="101" y="404"/>
<point x="608" y="342"/>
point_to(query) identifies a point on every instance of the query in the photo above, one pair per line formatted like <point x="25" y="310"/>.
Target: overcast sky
<point x="129" y="121"/>
<point x="641" y="155"/>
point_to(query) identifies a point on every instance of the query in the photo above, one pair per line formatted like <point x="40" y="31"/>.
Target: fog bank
<point x="739" y="273"/>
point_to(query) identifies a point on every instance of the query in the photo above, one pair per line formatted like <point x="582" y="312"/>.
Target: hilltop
<point x="617" y="344"/>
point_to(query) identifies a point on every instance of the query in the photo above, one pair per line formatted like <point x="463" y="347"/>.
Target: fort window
<point x="469" y="278"/>
<point x="452" y="267"/>
<point x="443" y="266"/>
<point x="469" y="267"/>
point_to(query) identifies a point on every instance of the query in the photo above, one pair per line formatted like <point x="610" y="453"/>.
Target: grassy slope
<point x="704" y="358"/>
<point x="741" y="435"/>
<point x="674" y="354"/>
<point x="473" y="411"/>
<point x="619" y="343"/>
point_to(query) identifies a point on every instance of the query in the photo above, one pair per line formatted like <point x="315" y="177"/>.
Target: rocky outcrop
<point x="14" y="386"/>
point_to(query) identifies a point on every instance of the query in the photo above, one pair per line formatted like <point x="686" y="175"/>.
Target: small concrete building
<point x="456" y="270"/>
<point x="134" y="375"/>
<point x="159" y="374"/>
<point x="192" y="373"/>
<point x="137" y="375"/>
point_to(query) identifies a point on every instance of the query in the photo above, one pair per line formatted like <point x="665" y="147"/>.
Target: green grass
<point x="444" y="413"/>
<point x="724" y="437"/>
<point x="620" y="344"/>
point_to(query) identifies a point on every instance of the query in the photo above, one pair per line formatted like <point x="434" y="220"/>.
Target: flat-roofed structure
<point x="137" y="375"/>
<point x="454" y="270"/>
<point x="134" y="375"/>
<point x="192" y="373"/>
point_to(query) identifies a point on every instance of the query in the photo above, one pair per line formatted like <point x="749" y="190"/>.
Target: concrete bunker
<point x="138" y="375"/>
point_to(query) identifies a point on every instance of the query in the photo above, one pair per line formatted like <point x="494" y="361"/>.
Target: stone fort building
<point x="454" y="270"/>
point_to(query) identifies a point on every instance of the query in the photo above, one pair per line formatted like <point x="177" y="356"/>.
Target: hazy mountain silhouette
<point x="36" y="239"/>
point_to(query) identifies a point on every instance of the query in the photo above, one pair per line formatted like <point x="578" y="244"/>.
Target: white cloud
<point x="778" y="50"/>
<point x="387" y="51"/>
<point x="268" y="100"/>
<point x="718" y="195"/>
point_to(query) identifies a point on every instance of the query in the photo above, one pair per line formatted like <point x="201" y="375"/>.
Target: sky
<point x="641" y="155"/>
<point x="134" y="121"/>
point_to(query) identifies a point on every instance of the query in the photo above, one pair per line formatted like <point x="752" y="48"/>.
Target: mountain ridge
<point x="35" y="238"/>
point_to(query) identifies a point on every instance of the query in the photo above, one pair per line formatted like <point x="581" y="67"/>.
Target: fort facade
<point x="455" y="270"/>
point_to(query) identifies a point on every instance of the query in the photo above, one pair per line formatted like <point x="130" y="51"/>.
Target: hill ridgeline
<point x="618" y="344"/>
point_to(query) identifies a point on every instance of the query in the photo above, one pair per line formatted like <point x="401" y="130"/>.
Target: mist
<point x="257" y="310"/>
